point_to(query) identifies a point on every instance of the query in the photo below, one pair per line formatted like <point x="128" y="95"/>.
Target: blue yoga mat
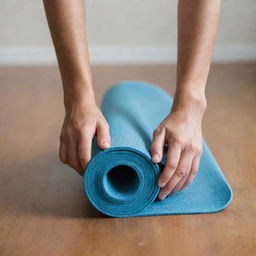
<point x="122" y="180"/>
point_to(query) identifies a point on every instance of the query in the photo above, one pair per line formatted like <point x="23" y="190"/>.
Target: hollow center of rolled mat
<point x="121" y="182"/>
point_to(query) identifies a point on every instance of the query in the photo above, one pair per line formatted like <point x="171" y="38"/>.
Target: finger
<point x="184" y="178"/>
<point x="172" y="160"/>
<point x="63" y="153"/>
<point x="84" y="149"/>
<point x="181" y="172"/>
<point x="157" y="146"/>
<point x="103" y="137"/>
<point x="194" y="170"/>
<point x="179" y="185"/>
<point x="73" y="160"/>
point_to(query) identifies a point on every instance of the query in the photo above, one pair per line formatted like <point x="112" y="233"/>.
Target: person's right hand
<point x="81" y="123"/>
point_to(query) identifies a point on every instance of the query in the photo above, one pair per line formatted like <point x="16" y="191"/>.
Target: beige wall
<point x="120" y="23"/>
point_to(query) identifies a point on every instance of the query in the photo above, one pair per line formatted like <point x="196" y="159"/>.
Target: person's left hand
<point x="181" y="130"/>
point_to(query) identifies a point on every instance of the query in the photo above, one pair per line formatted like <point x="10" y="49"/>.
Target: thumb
<point x="103" y="137"/>
<point x="158" y="145"/>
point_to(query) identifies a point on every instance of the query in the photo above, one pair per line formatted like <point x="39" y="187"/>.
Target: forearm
<point x="197" y="26"/>
<point x="66" y="22"/>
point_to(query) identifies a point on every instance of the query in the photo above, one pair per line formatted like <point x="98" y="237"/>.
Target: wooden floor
<point x="43" y="209"/>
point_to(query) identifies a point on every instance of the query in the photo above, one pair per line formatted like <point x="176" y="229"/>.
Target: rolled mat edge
<point x="122" y="181"/>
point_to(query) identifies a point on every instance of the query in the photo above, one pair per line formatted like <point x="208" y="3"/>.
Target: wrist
<point x="190" y="103"/>
<point x="78" y="94"/>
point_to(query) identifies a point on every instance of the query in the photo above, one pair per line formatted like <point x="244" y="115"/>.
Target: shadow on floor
<point x="44" y="186"/>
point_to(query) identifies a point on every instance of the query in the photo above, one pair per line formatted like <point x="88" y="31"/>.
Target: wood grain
<point x="43" y="210"/>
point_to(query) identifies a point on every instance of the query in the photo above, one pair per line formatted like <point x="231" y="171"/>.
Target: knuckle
<point x="82" y="128"/>
<point x="171" y="166"/>
<point x="85" y="132"/>
<point x="78" y="128"/>
<point x="181" y="173"/>
<point x="77" y="124"/>
<point x="177" y="139"/>
<point x="194" y="148"/>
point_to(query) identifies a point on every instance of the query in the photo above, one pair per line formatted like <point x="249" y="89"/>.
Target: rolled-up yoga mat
<point x="122" y="180"/>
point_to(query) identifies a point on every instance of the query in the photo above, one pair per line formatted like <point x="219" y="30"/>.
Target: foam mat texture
<point x="122" y="180"/>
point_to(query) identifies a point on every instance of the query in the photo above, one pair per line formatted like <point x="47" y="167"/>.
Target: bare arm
<point x="181" y="129"/>
<point x="83" y="119"/>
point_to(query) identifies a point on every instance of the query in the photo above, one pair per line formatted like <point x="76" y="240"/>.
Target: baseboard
<point x="13" y="56"/>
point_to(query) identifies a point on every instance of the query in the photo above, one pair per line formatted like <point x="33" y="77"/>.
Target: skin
<point x="181" y="130"/>
<point x="83" y="119"/>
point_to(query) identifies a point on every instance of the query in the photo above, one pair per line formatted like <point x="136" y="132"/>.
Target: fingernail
<point x="106" y="143"/>
<point x="162" y="196"/>
<point x="155" y="158"/>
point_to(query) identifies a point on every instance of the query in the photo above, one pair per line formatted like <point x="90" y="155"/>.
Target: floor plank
<point x="43" y="210"/>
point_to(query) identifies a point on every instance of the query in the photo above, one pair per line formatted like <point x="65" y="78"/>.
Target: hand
<point x="81" y="123"/>
<point x="181" y="130"/>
